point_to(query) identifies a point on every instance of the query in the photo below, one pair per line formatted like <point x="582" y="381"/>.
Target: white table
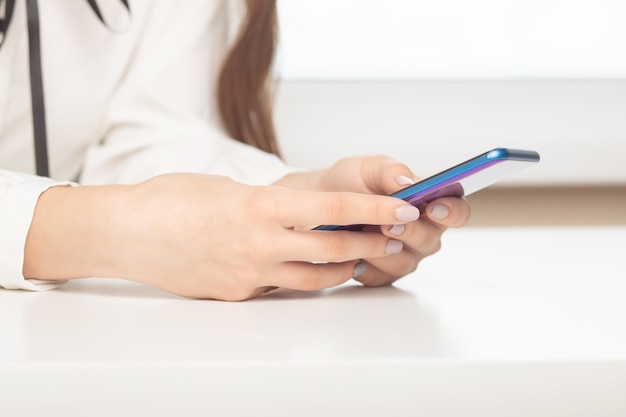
<point x="502" y="322"/>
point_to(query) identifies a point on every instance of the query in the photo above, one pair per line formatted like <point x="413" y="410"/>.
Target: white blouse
<point x="123" y="103"/>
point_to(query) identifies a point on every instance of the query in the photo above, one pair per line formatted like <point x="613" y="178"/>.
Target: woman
<point x="127" y="104"/>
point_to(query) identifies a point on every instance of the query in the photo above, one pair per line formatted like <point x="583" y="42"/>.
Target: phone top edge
<point x="515" y="154"/>
<point x="454" y="174"/>
<point x="493" y="156"/>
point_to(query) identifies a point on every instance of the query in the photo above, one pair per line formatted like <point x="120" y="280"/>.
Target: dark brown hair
<point x="244" y="89"/>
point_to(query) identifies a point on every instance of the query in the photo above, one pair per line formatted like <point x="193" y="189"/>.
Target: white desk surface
<point x="502" y="322"/>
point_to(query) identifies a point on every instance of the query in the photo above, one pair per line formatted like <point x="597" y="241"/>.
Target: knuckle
<point x="260" y="203"/>
<point x="405" y="265"/>
<point x="464" y="214"/>
<point x="421" y="236"/>
<point x="436" y="247"/>
<point x="428" y="236"/>
<point x="261" y="248"/>
<point x="383" y="160"/>
<point x="311" y="281"/>
<point x="336" y="248"/>
<point x="340" y="207"/>
<point x="243" y="280"/>
<point x="380" y="280"/>
<point x="348" y="246"/>
<point x="430" y="242"/>
<point x="244" y="285"/>
<point x="409" y="265"/>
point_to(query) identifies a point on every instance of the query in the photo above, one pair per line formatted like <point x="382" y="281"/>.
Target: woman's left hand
<point x="383" y="175"/>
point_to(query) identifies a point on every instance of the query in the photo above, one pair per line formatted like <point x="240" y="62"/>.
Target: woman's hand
<point x="208" y="237"/>
<point x="382" y="175"/>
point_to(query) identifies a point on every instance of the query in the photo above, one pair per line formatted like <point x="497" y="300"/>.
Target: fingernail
<point x="402" y="180"/>
<point x="359" y="268"/>
<point x="397" y="229"/>
<point x="438" y="211"/>
<point x="393" y="246"/>
<point x="407" y="213"/>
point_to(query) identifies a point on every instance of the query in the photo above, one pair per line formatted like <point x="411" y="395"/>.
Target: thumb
<point x="384" y="175"/>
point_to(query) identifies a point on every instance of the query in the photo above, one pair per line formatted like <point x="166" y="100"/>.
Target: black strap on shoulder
<point x="36" y="78"/>
<point x="36" y="89"/>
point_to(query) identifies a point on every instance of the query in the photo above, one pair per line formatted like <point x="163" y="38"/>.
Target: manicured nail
<point x="393" y="246"/>
<point x="359" y="268"/>
<point x="407" y="213"/>
<point x="438" y="211"/>
<point x="396" y="229"/>
<point x="402" y="180"/>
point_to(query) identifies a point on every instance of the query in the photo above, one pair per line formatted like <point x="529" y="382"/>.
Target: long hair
<point x="244" y="85"/>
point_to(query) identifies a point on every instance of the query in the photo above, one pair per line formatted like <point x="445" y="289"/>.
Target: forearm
<point x="72" y="233"/>
<point x="206" y="236"/>
<point x="85" y="231"/>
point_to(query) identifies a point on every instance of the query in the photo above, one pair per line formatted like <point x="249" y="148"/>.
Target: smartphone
<point x="461" y="180"/>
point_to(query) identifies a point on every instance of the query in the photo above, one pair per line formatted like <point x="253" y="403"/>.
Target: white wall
<point x="579" y="127"/>
<point x="452" y="39"/>
<point x="435" y="82"/>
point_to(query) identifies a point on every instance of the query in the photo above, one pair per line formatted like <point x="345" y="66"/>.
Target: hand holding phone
<point x="461" y="180"/>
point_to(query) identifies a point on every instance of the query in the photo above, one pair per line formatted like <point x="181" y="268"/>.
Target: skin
<point x="209" y="237"/>
<point x="383" y="175"/>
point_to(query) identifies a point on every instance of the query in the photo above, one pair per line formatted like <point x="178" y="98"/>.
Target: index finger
<point x="299" y="208"/>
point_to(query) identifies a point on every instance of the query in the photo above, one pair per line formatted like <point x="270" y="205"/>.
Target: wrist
<point x="69" y="235"/>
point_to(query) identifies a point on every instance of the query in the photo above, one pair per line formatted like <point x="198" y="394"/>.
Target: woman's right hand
<point x="207" y="237"/>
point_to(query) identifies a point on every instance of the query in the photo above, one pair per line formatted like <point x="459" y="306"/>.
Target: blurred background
<point x="435" y="82"/>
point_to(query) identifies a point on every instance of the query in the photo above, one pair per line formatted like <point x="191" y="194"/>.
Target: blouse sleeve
<point x="18" y="197"/>
<point x="163" y="117"/>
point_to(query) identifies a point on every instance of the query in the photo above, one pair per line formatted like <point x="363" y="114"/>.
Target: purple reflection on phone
<point x="421" y="200"/>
